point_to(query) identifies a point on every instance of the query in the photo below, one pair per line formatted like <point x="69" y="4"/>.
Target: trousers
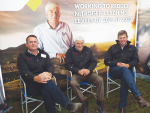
<point x="127" y="81"/>
<point x="51" y="94"/>
<point x="93" y="78"/>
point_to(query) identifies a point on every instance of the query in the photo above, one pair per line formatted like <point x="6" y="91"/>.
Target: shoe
<point x="141" y="102"/>
<point x="85" y="106"/>
<point x="6" y="108"/>
<point x="100" y="107"/>
<point x="122" y="110"/>
<point x="73" y="107"/>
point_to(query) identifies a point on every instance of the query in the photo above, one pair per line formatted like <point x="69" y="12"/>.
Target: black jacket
<point x="76" y="60"/>
<point x="115" y="54"/>
<point x="30" y="65"/>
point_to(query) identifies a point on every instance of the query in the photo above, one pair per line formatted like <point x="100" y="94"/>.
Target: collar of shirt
<point x="76" y="48"/>
<point x="49" y="27"/>
<point x="123" y="46"/>
<point x="32" y="53"/>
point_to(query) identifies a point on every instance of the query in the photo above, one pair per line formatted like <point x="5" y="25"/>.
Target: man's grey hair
<point x="79" y="38"/>
<point x="51" y="4"/>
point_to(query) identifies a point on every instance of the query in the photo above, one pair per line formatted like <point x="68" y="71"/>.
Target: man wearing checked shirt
<point x="54" y="36"/>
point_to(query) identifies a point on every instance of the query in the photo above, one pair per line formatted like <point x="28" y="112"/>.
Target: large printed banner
<point x="98" y="21"/>
<point x="143" y="38"/>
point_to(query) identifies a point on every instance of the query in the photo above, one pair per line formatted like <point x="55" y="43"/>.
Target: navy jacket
<point x="115" y="54"/>
<point x="76" y="60"/>
<point x="30" y="66"/>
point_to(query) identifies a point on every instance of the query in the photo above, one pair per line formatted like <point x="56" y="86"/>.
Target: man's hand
<point x="86" y="72"/>
<point x="125" y="65"/>
<point x="43" y="77"/>
<point x="61" y="57"/>
<point x="81" y="72"/>
<point x="120" y="64"/>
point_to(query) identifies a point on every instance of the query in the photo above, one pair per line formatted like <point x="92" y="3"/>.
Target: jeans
<point x="127" y="81"/>
<point x="51" y="94"/>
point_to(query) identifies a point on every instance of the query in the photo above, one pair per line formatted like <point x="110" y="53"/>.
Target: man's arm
<point x="69" y="64"/>
<point x="70" y="36"/>
<point x="23" y="69"/>
<point x="92" y="62"/>
<point x="108" y="58"/>
<point x="134" y="59"/>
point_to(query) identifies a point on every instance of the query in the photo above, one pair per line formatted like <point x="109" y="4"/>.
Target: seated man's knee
<point x="73" y="83"/>
<point x="99" y="79"/>
<point x="124" y="69"/>
<point x="44" y="92"/>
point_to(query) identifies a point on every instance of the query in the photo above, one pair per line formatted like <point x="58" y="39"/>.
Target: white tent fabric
<point x="2" y="92"/>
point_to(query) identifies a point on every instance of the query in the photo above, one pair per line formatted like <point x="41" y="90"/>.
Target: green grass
<point x="111" y="103"/>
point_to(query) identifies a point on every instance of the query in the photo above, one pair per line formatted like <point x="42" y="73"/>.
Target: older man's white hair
<point x="79" y="38"/>
<point x="51" y="4"/>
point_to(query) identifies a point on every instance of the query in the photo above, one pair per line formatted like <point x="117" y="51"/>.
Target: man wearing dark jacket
<point x="121" y="58"/>
<point x="36" y="69"/>
<point x="80" y="60"/>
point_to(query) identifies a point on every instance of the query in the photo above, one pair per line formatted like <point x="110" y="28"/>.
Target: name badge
<point x="43" y="55"/>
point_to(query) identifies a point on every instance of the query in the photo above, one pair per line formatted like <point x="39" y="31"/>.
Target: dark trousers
<point x="51" y="94"/>
<point x="127" y="81"/>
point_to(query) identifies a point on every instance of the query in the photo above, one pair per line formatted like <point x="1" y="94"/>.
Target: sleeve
<point x="23" y="69"/>
<point x="134" y="59"/>
<point x="108" y="60"/>
<point x="69" y="32"/>
<point x="69" y="64"/>
<point x="49" y="67"/>
<point x="36" y="32"/>
<point x="92" y="62"/>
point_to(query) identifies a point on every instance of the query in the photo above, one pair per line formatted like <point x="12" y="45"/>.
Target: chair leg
<point x="107" y="88"/>
<point x="22" y="102"/>
<point x="26" y="102"/>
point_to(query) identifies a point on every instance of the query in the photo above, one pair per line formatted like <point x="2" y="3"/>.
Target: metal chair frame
<point x="89" y="88"/>
<point x="25" y="98"/>
<point x="111" y="80"/>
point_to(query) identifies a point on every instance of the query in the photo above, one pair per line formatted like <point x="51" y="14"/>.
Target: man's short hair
<point x="30" y="36"/>
<point x="122" y="32"/>
<point x="79" y="38"/>
<point x="51" y="3"/>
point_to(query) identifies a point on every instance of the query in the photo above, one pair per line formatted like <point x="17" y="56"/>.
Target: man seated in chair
<point x="80" y="60"/>
<point x="121" y="58"/>
<point x="36" y="69"/>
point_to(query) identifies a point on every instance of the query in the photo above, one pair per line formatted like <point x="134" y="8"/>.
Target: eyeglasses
<point x="33" y="42"/>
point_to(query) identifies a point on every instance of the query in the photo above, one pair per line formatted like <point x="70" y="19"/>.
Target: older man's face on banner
<point x="53" y="14"/>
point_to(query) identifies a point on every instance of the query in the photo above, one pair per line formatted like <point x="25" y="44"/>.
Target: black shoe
<point x="100" y="107"/>
<point x="5" y="107"/>
<point x="85" y="106"/>
<point x="73" y="107"/>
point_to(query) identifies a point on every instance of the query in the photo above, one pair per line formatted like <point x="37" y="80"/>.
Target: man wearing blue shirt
<point x="54" y="36"/>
